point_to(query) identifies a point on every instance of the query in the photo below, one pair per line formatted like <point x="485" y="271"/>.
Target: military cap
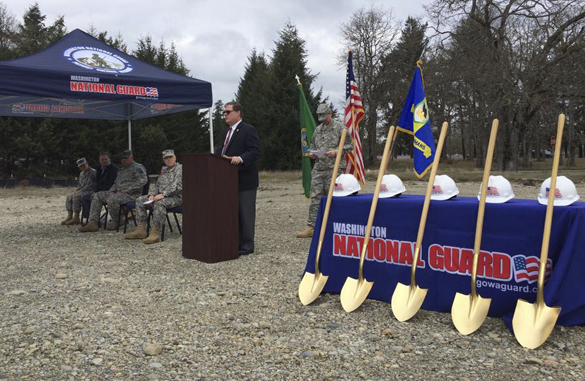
<point x="126" y="153"/>
<point x="81" y="162"/>
<point x="322" y="111"/>
<point x="168" y="153"/>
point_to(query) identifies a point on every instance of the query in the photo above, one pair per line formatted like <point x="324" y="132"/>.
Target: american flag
<point x="338" y="186"/>
<point x="526" y="269"/>
<point x="383" y="188"/>
<point x="557" y="192"/>
<point x="151" y="92"/>
<point x="437" y="189"/>
<point x="492" y="191"/>
<point x="354" y="113"/>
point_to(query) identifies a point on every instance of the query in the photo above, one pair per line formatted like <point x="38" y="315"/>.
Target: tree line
<point x="520" y="61"/>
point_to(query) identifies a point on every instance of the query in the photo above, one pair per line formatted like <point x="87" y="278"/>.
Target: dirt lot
<point x="94" y="307"/>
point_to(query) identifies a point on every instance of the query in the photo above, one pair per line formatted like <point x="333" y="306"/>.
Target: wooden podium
<point x="210" y="208"/>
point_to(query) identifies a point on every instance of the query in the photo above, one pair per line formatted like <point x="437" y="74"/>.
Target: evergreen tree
<point x="146" y="51"/>
<point x="56" y="31"/>
<point x="218" y="122"/>
<point x="116" y="42"/>
<point x="38" y="140"/>
<point x="175" y="63"/>
<point x="280" y="133"/>
<point x="184" y="132"/>
<point x="161" y="55"/>
<point x="8" y="30"/>
<point x="253" y="94"/>
<point x="397" y="70"/>
<point x="32" y="33"/>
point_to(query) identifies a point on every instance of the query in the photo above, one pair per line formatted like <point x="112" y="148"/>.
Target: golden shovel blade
<point x="533" y="323"/>
<point x="354" y="292"/>
<point x="311" y="287"/>
<point x="407" y="300"/>
<point x="469" y="313"/>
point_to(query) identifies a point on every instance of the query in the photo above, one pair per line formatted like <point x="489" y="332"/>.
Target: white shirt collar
<point x="235" y="125"/>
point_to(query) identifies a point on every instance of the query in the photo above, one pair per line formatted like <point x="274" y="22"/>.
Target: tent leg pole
<point x="129" y="134"/>
<point x="210" y="114"/>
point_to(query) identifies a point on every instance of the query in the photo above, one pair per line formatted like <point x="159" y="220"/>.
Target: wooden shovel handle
<point x="425" y="210"/>
<point x="381" y="172"/>
<point x="482" y="198"/>
<point x="549" y="211"/>
<point x="329" y="197"/>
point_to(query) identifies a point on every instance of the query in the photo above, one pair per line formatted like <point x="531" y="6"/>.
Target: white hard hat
<point x="565" y="192"/>
<point x="499" y="190"/>
<point x="444" y="188"/>
<point x="345" y="185"/>
<point x="391" y="186"/>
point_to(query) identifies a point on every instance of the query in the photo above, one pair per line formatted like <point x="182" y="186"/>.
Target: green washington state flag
<point x="307" y="129"/>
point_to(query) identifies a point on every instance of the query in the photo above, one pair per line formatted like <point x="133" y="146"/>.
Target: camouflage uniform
<point x="170" y="185"/>
<point x="325" y="138"/>
<point x="131" y="179"/>
<point x="85" y="187"/>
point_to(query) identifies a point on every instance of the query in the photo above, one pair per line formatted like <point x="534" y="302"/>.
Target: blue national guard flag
<point x="415" y="121"/>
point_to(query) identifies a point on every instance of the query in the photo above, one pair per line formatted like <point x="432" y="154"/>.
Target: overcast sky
<point x="215" y="37"/>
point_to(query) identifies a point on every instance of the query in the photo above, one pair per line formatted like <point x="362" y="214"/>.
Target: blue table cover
<point x="508" y="263"/>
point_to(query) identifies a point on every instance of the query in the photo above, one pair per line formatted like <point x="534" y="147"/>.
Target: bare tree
<point x="512" y="56"/>
<point x="370" y="34"/>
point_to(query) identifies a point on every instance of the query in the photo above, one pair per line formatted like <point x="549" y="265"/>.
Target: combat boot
<point x="75" y="220"/>
<point x="154" y="236"/>
<point x="139" y="233"/>
<point x="307" y="233"/>
<point x="69" y="216"/>
<point x="92" y="226"/>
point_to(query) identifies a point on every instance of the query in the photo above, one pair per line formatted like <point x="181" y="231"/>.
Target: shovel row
<point x="532" y="322"/>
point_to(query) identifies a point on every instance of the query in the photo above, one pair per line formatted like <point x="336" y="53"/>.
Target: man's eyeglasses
<point x="227" y="112"/>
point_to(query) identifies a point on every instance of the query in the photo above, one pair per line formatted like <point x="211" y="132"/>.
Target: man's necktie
<point x="227" y="141"/>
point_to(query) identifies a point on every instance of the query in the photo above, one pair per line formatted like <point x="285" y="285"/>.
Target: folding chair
<point x="130" y="206"/>
<point x="127" y="208"/>
<point x="176" y="210"/>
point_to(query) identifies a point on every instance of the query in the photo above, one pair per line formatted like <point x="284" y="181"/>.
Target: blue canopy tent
<point x="82" y="77"/>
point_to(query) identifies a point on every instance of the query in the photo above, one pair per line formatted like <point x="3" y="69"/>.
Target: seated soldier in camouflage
<point x="167" y="193"/>
<point x="85" y="186"/>
<point x="128" y="186"/>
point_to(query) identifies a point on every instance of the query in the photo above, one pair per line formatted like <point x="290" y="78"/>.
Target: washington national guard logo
<point x="97" y="59"/>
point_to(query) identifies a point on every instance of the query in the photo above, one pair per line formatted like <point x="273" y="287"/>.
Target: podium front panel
<point x="210" y="208"/>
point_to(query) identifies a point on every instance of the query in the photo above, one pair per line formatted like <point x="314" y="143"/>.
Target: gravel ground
<point x="95" y="307"/>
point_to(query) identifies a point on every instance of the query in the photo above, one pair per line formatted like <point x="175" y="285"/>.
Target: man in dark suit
<point x="105" y="178"/>
<point x="241" y="145"/>
<point x="106" y="175"/>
